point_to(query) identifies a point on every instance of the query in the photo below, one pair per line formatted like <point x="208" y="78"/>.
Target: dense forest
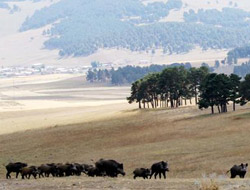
<point x="175" y="86"/>
<point x="243" y="69"/>
<point x="81" y="27"/>
<point x="126" y="75"/>
<point x="239" y="52"/>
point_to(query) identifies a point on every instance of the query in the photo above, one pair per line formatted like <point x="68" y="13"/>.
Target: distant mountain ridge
<point x="83" y="27"/>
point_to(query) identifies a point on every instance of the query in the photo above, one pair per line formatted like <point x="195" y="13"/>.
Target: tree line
<point x="243" y="69"/>
<point x="175" y="86"/>
<point x="239" y="52"/>
<point x="127" y="74"/>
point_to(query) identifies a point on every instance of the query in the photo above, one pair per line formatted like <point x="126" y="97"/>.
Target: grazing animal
<point x="78" y="169"/>
<point x="93" y="171"/>
<point x="66" y="169"/>
<point x="239" y="170"/>
<point x="28" y="171"/>
<point x="159" y="168"/>
<point x="110" y="167"/>
<point x="141" y="172"/>
<point x="86" y="168"/>
<point x="14" y="167"/>
<point x="47" y="170"/>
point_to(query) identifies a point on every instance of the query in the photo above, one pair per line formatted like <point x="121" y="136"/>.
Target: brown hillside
<point x="194" y="142"/>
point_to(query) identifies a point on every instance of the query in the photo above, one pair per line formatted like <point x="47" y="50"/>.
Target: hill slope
<point x="86" y="26"/>
<point x="193" y="143"/>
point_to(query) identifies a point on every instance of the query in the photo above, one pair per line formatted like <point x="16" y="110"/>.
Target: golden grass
<point x="193" y="144"/>
<point x="208" y="185"/>
<point x="192" y="141"/>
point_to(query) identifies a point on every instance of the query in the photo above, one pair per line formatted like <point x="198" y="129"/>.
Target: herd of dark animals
<point x="110" y="168"/>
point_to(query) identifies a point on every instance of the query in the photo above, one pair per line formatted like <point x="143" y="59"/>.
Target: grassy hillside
<point x="194" y="142"/>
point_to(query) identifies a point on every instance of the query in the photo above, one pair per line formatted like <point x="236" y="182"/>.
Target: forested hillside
<point x="84" y="26"/>
<point x="243" y="69"/>
<point x="239" y="52"/>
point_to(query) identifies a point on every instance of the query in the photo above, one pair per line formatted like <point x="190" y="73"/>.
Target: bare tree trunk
<point x="139" y="104"/>
<point x="152" y="104"/>
<point x="222" y="108"/>
<point x="196" y="99"/>
<point x="233" y="105"/>
<point x="218" y="108"/>
<point x="177" y="103"/>
<point x="172" y="103"/>
<point x="212" y="109"/>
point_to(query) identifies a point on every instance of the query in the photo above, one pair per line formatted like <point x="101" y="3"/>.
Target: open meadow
<point x="197" y="145"/>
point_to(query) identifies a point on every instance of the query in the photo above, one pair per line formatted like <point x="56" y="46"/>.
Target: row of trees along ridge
<point x="175" y="86"/>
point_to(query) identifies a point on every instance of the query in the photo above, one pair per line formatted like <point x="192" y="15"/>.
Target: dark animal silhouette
<point x="86" y="168"/>
<point x="141" y="172"/>
<point x="66" y="169"/>
<point x="14" y="167"/>
<point x="239" y="170"/>
<point x="158" y="169"/>
<point x="28" y="171"/>
<point x="78" y="169"/>
<point x="93" y="171"/>
<point x="47" y="170"/>
<point x="110" y="167"/>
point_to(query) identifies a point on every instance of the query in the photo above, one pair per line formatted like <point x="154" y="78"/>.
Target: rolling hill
<point x="195" y="143"/>
<point x="54" y="28"/>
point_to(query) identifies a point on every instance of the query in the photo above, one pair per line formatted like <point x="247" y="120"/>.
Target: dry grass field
<point x="54" y="121"/>
<point x="194" y="143"/>
<point x="46" y="101"/>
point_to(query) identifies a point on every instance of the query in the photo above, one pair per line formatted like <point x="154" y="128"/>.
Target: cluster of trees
<point x="236" y="53"/>
<point x="243" y="69"/>
<point x="171" y="87"/>
<point x="128" y="74"/>
<point x="174" y="86"/>
<point x="228" y="17"/>
<point x="99" y="75"/>
<point x="88" y="25"/>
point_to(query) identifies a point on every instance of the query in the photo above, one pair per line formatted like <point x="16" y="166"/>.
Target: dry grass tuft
<point x="208" y="185"/>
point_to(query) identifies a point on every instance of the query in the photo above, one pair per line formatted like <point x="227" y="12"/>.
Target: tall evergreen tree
<point x="196" y="76"/>
<point x="245" y="90"/>
<point x="235" y="89"/>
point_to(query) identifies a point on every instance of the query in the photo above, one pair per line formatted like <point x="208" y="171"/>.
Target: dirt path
<point x="81" y="183"/>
